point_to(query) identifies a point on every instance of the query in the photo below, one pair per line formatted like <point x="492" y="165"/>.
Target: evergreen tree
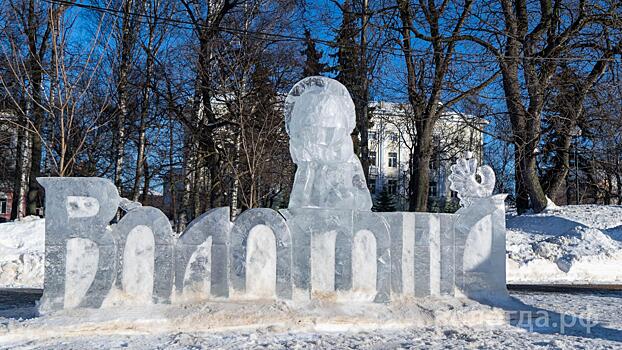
<point x="384" y="201"/>
<point x="263" y="92"/>
<point x="348" y="57"/>
<point x="352" y="72"/>
<point x="313" y="66"/>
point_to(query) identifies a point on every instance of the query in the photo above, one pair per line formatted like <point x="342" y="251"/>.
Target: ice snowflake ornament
<point x="471" y="181"/>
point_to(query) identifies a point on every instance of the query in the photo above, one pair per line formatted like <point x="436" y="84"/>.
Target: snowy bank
<point x="577" y="244"/>
<point x="22" y="249"/>
<point x="254" y="316"/>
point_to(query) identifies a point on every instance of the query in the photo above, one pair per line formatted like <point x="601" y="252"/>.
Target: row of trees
<point x="150" y="92"/>
<point x="184" y="97"/>
<point x="539" y="72"/>
<point x="548" y="59"/>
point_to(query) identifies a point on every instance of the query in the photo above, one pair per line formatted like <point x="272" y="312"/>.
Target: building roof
<point x="396" y="109"/>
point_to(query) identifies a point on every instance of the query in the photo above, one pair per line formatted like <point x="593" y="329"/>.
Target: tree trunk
<point x="607" y="200"/>
<point x="522" y="196"/>
<point x="532" y="182"/>
<point x="36" y="148"/>
<point x="188" y="176"/>
<point x="36" y="80"/>
<point x="21" y="155"/>
<point x="127" y="41"/>
<point x="362" y="121"/>
<point x="556" y="177"/>
<point x="420" y="176"/>
<point x="140" y="160"/>
<point x="147" y="182"/>
<point x="142" y="140"/>
<point x="198" y="185"/>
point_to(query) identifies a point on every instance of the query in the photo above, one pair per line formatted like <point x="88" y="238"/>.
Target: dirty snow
<point x="315" y="316"/>
<point x="21" y="253"/>
<point x="592" y="321"/>
<point x="576" y="244"/>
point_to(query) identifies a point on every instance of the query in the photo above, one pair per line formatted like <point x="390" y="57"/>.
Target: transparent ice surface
<point x="319" y="117"/>
<point x="471" y="181"/>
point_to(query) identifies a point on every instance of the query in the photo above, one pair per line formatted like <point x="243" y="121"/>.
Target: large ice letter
<point x="242" y="228"/>
<point x="137" y="223"/>
<point x="78" y="208"/>
<point x="215" y="224"/>
<point x="319" y="118"/>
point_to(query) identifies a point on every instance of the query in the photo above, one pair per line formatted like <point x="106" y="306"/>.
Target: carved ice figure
<point x="464" y="179"/>
<point x="319" y="117"/>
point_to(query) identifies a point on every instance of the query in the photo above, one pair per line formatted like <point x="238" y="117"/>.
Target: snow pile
<point x="239" y="326"/>
<point x="569" y="245"/>
<point x="22" y="249"/>
<point x="255" y="316"/>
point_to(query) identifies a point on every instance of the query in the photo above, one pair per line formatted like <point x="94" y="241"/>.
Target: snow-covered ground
<point x="575" y="244"/>
<point x="22" y="246"/>
<point x="537" y="321"/>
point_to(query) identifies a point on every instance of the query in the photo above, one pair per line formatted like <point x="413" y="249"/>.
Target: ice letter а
<point x="319" y="117"/>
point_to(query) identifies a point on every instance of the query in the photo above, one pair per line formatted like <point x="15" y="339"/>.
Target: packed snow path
<point x="603" y="309"/>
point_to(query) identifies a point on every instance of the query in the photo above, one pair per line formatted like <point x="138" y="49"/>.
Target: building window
<point x="3" y="206"/>
<point x="392" y="186"/>
<point x="372" y="135"/>
<point x="392" y="159"/>
<point x="454" y="194"/>
<point x="372" y="157"/>
<point x="393" y="137"/>
<point x="433" y="189"/>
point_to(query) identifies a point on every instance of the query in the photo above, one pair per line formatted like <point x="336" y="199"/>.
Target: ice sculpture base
<point x="248" y="317"/>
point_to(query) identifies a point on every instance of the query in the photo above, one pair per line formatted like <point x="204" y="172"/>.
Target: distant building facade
<point x="391" y="136"/>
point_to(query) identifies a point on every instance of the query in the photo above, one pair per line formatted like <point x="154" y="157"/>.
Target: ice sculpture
<point x="464" y="179"/>
<point x="327" y="245"/>
<point x="319" y="117"/>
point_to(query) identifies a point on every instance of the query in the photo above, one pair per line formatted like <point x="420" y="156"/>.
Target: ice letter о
<point x="319" y="117"/>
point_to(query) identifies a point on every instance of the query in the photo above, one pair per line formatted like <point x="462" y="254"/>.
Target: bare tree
<point x="253" y="71"/>
<point x="69" y="117"/>
<point x="202" y="161"/>
<point x="427" y="80"/>
<point x="126" y="37"/>
<point x="155" y="36"/>
<point x="529" y="49"/>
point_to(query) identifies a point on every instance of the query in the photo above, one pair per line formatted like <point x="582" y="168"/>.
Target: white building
<point x="390" y="145"/>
